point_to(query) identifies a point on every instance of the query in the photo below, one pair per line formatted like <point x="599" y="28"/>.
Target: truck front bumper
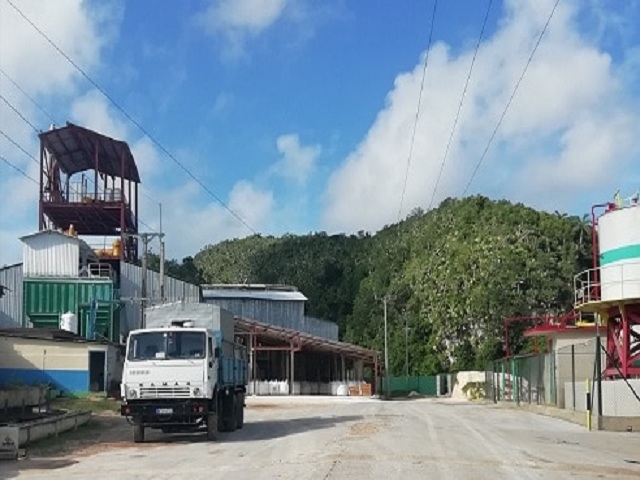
<point x="166" y="412"/>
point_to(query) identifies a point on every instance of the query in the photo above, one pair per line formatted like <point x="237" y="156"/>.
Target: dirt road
<point x="348" y="438"/>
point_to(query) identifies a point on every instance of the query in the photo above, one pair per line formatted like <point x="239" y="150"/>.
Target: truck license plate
<point x="164" y="411"/>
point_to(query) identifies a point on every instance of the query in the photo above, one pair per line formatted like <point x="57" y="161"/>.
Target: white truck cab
<point x="176" y="378"/>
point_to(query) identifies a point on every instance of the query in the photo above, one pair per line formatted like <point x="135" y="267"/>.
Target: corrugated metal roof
<point x="46" y="334"/>
<point x="11" y="302"/>
<point x="76" y="149"/>
<point x="84" y="246"/>
<point x="306" y="341"/>
<point x="272" y="295"/>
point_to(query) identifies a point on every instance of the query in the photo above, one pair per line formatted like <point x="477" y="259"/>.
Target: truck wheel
<point x="240" y="411"/>
<point x="212" y="427"/>
<point x="138" y="433"/>
<point x="230" y="413"/>
<point x="220" y="420"/>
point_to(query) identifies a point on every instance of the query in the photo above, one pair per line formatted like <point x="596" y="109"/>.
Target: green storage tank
<point x="45" y="299"/>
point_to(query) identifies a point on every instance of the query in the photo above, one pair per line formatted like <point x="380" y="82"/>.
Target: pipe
<point x="594" y="244"/>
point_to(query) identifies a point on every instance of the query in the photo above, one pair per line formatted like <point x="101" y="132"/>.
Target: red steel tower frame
<point x="89" y="183"/>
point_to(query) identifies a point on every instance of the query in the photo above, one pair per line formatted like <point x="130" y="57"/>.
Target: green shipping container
<point x="44" y="300"/>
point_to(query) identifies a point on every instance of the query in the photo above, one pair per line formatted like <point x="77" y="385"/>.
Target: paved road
<point x="352" y="438"/>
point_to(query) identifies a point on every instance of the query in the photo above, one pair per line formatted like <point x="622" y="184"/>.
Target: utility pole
<point x="385" y="300"/>
<point x="143" y="285"/>
<point x="406" y="345"/>
<point x="145" y="237"/>
<point x="386" y="345"/>
<point x="161" y="256"/>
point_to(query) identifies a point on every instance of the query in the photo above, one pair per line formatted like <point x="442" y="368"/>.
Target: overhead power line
<point x="440" y="248"/>
<point x="19" y="170"/>
<point x="133" y="120"/>
<point x="53" y="120"/>
<point x="36" y="104"/>
<point x="17" y="112"/>
<point x="513" y="94"/>
<point x="31" y="157"/>
<point x="19" y="147"/>
<point x="415" y="123"/>
<point x="462" y="97"/>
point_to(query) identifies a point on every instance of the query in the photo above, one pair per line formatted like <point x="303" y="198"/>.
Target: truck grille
<point x="165" y="392"/>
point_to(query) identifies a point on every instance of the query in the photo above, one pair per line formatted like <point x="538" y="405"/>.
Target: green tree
<point x="455" y="273"/>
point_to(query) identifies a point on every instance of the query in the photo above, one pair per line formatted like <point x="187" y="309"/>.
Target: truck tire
<point x="138" y="433"/>
<point x="226" y="413"/>
<point x="220" y="420"/>
<point x="239" y="411"/>
<point x="212" y="427"/>
<point x="230" y="416"/>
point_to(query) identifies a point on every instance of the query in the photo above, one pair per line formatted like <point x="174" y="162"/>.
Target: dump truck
<point x="184" y="372"/>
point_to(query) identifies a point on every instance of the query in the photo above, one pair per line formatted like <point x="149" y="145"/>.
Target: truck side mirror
<point x="216" y="352"/>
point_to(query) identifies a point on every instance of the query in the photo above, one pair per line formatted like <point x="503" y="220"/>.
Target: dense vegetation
<point x="452" y="275"/>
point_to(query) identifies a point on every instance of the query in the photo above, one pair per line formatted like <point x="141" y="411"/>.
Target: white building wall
<point x="50" y="254"/>
<point x="64" y="364"/>
<point x="26" y="353"/>
<point x="576" y="371"/>
<point x="11" y="302"/>
<point x="618" y="400"/>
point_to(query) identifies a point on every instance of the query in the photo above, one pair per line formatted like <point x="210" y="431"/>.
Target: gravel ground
<point x="347" y="438"/>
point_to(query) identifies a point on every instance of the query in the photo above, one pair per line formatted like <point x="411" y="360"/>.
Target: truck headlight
<point x="132" y="393"/>
<point x="197" y="392"/>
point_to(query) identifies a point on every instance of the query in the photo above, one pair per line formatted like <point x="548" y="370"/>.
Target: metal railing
<point x="83" y="195"/>
<point x="622" y="282"/>
<point x="80" y="193"/>
<point x="98" y="270"/>
<point x="586" y="286"/>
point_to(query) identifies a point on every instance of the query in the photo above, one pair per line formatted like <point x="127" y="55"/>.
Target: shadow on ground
<point x="107" y="433"/>
<point x="269" y="429"/>
<point x="256" y="430"/>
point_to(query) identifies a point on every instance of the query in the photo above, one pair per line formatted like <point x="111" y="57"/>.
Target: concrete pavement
<point x="346" y="438"/>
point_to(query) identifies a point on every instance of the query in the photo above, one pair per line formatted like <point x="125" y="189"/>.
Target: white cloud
<point x="251" y="204"/>
<point x="296" y="161"/>
<point x="91" y="110"/>
<point x="238" y="20"/>
<point x="590" y="150"/>
<point x="82" y="33"/>
<point x="222" y="102"/>
<point x="81" y="30"/>
<point x="567" y="127"/>
<point x="190" y="225"/>
<point x="251" y="15"/>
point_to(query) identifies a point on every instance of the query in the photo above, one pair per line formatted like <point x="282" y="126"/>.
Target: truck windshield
<point x="166" y="345"/>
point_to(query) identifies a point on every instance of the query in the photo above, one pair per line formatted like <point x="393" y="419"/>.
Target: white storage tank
<point x="69" y="322"/>
<point x="619" y="253"/>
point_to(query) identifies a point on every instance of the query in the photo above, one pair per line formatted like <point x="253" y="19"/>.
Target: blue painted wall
<point x="68" y="381"/>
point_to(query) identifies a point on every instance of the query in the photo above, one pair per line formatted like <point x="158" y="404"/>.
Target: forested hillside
<point x="452" y="274"/>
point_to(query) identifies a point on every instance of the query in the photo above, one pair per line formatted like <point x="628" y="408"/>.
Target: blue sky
<point x="299" y="114"/>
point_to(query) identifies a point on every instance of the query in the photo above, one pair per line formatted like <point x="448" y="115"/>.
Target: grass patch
<point x="65" y="442"/>
<point x="94" y="404"/>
